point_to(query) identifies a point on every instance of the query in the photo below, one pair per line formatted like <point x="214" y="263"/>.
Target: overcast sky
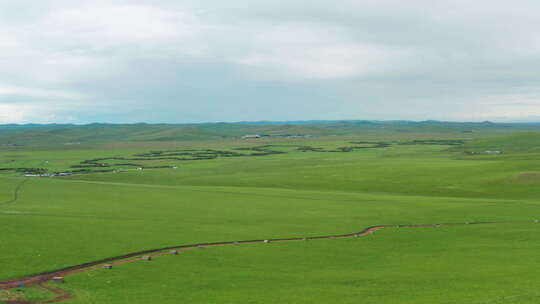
<point x="197" y="61"/>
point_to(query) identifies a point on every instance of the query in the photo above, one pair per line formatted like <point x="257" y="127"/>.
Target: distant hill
<point x="54" y="134"/>
<point x="524" y="141"/>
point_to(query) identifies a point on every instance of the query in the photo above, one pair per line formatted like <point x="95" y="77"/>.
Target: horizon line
<point x="271" y="122"/>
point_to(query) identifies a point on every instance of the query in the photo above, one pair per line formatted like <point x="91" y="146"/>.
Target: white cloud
<point x="523" y="105"/>
<point x="7" y="91"/>
<point x="10" y="113"/>
<point x="37" y="112"/>
<point x="109" y="25"/>
<point x="418" y="59"/>
<point x="328" y="61"/>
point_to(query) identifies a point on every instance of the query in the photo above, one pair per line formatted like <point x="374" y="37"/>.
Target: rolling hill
<point x="56" y="134"/>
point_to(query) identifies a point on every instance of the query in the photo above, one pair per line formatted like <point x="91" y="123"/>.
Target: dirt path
<point x="41" y="278"/>
<point x="60" y="296"/>
<point x="15" y="193"/>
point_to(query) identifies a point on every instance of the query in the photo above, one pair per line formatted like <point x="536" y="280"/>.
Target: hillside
<point x="519" y="142"/>
<point x="60" y="134"/>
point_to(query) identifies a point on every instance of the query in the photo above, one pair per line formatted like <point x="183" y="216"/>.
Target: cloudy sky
<point x="183" y="61"/>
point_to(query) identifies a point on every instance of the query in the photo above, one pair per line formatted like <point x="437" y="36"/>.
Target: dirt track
<point x="41" y="278"/>
<point x="15" y="193"/>
<point x="135" y="256"/>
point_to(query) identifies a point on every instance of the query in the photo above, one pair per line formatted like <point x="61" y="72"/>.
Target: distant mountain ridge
<point x="54" y="134"/>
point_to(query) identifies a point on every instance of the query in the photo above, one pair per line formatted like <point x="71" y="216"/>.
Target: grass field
<point x="440" y="265"/>
<point x="52" y="223"/>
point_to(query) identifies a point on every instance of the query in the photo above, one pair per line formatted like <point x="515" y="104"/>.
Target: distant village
<point x="484" y="152"/>
<point x="49" y="174"/>
<point x="255" y="136"/>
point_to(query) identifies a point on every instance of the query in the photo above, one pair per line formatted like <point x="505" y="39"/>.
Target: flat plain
<point x="130" y="197"/>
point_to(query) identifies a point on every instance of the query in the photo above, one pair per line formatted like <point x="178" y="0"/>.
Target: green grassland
<point x="518" y="142"/>
<point x="280" y="187"/>
<point x="450" y="265"/>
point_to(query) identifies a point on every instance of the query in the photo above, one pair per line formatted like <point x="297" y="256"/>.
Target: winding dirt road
<point x="41" y="279"/>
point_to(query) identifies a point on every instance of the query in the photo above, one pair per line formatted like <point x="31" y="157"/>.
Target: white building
<point x="251" y="136"/>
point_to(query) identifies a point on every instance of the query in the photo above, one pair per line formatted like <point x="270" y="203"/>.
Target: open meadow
<point x="269" y="152"/>
<point x="457" y="217"/>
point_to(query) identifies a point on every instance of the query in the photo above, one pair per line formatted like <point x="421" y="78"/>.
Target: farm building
<point x="48" y="174"/>
<point x="251" y="136"/>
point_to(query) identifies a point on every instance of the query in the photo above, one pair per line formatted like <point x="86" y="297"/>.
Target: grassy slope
<point x="117" y="219"/>
<point x="250" y="197"/>
<point x="242" y="198"/>
<point x="7" y="189"/>
<point x="50" y="135"/>
<point x="410" y="170"/>
<point x="520" y="142"/>
<point x="409" y="266"/>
